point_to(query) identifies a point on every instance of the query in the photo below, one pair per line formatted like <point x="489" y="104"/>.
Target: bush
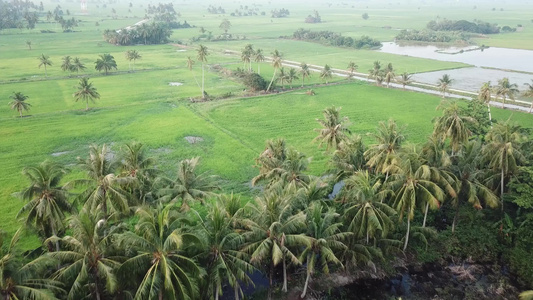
<point x="254" y="82"/>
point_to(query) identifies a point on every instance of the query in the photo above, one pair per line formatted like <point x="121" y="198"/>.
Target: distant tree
<point x="66" y="64"/>
<point x="105" y="62"/>
<point x="305" y="72"/>
<point x="132" y="55"/>
<point x="259" y="58"/>
<point x="202" y="54"/>
<point x="277" y="62"/>
<point x="444" y="84"/>
<point x="78" y="65"/>
<point x="44" y="60"/>
<point x="389" y="74"/>
<point x="291" y="76"/>
<point x="352" y="67"/>
<point x="405" y="79"/>
<point x="326" y="73"/>
<point x="28" y="43"/>
<point x="365" y="16"/>
<point x="225" y="25"/>
<point x="19" y="103"/>
<point x="86" y="91"/>
<point x="529" y="93"/>
<point x="485" y="95"/>
<point x="505" y="89"/>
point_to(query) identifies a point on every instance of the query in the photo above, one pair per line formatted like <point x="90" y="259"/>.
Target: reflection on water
<point x="471" y="79"/>
<point x="501" y="58"/>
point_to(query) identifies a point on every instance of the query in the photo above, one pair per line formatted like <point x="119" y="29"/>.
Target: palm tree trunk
<point x="86" y="105"/>
<point x="304" y="292"/>
<point x="55" y="234"/>
<point x="45" y="74"/>
<point x="129" y="65"/>
<point x="160" y="294"/>
<point x="258" y="68"/>
<point x="531" y="107"/>
<point x="96" y="289"/>
<point x="216" y="292"/>
<point x="425" y="215"/>
<point x="501" y="187"/>
<point x="271" y="271"/>
<point x="503" y="101"/>
<point x="203" y="81"/>
<point x="303" y="81"/>
<point x="490" y="115"/>
<point x="274" y="75"/>
<point x="284" y="288"/>
<point x="367" y="237"/>
<point x="236" y="288"/>
<point x="20" y="112"/>
<point x="407" y="234"/>
<point x="455" y="218"/>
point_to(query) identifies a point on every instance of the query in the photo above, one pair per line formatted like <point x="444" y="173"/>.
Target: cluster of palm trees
<point x="153" y="33"/>
<point x="105" y="62"/>
<point x="133" y="232"/>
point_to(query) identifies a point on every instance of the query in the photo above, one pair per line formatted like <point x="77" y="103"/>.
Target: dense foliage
<point x="134" y="230"/>
<point x="463" y="25"/>
<point x="18" y="14"/>
<point x="430" y="36"/>
<point x="336" y="39"/>
<point x="280" y="13"/>
<point x="154" y="33"/>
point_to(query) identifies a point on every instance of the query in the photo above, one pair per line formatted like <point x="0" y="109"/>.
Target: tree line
<point x="463" y="25"/>
<point x="153" y="33"/>
<point x="132" y="231"/>
<point x="336" y="39"/>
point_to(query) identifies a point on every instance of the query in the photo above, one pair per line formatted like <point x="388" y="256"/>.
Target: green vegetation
<point x="150" y="191"/>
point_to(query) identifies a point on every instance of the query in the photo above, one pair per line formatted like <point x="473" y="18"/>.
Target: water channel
<point x="490" y="64"/>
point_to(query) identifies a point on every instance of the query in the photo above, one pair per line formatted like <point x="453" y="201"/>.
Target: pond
<point x="506" y="63"/>
<point x="500" y="58"/>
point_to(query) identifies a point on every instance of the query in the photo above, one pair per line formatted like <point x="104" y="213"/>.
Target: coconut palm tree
<point x="485" y="95"/>
<point x="190" y="65"/>
<point x="225" y="25"/>
<point x="282" y="77"/>
<point x="366" y="213"/>
<point x="246" y="56"/>
<point x="44" y="60"/>
<point x="444" y="84"/>
<point x="18" y="102"/>
<point x="277" y="62"/>
<point x="86" y="91"/>
<point x="414" y="183"/>
<point x="104" y="190"/>
<point x="134" y="163"/>
<point x="47" y="200"/>
<point x="201" y="55"/>
<point x="291" y="76"/>
<point x="529" y="93"/>
<point x="159" y="246"/>
<point x="86" y="269"/>
<point x="503" y="151"/>
<point x="470" y="178"/>
<point x="19" y="281"/>
<point x="389" y="74"/>
<point x="273" y="231"/>
<point x="352" y="68"/>
<point x="349" y="156"/>
<point x="105" y="62"/>
<point x="225" y="263"/>
<point x="334" y="128"/>
<point x="453" y="124"/>
<point x="77" y="65"/>
<point x="404" y="79"/>
<point x="305" y="72"/>
<point x="188" y="186"/>
<point x="259" y="58"/>
<point x="326" y="73"/>
<point x="132" y="55"/>
<point x="381" y="156"/>
<point x="505" y="89"/>
<point x="287" y="171"/>
<point x="376" y="73"/>
<point x="66" y="64"/>
<point x="325" y="241"/>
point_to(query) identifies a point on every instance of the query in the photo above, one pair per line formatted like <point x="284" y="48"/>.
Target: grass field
<point x="141" y="105"/>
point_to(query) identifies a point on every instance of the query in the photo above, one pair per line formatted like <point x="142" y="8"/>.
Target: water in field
<point x="471" y="79"/>
<point x="500" y="58"/>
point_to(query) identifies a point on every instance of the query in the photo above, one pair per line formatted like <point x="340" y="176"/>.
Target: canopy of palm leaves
<point x="389" y="138"/>
<point x="282" y="166"/>
<point x="506" y="89"/>
<point x="444" y="84"/>
<point x="453" y="124"/>
<point x="159" y="243"/>
<point x="349" y="156"/>
<point x="326" y="73"/>
<point x="86" y="91"/>
<point x="529" y="93"/>
<point x="19" y="103"/>
<point x="334" y="128"/>
<point x="188" y="186"/>
<point x="47" y="200"/>
<point x="105" y="62"/>
<point x="86" y="268"/>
